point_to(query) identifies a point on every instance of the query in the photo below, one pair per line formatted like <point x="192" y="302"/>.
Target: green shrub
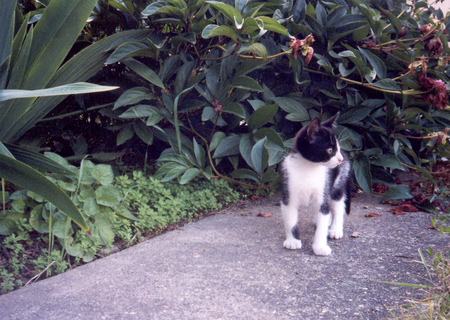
<point x="225" y="85"/>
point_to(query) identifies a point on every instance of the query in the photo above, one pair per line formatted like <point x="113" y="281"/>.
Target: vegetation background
<point x="201" y="97"/>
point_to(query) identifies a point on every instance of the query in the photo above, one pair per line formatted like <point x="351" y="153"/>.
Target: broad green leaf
<point x="324" y="62"/>
<point x="104" y="228"/>
<point x="388" y="161"/>
<point x="152" y="8"/>
<point x="398" y="192"/>
<point x="234" y="108"/>
<point x="208" y="113"/>
<point x="153" y="119"/>
<point x="175" y="157"/>
<point x="250" y="65"/>
<point x="396" y="23"/>
<point x="245" y="148"/>
<point x="363" y="175"/>
<point x="133" y="96"/>
<point x="262" y="116"/>
<point x="175" y="114"/>
<point x="108" y="196"/>
<point x="387" y="84"/>
<point x="121" y="7"/>
<point x="25" y="176"/>
<point x="90" y="207"/>
<point x="377" y="64"/>
<point x="272" y="136"/>
<point x="128" y="50"/>
<point x="139" y="111"/>
<point x="144" y="132"/>
<point x="19" y="205"/>
<point x="350" y="54"/>
<point x="85" y="175"/>
<point x="256" y="48"/>
<point x="123" y="212"/>
<point x="344" y="30"/>
<point x="174" y="173"/>
<point x="164" y="169"/>
<point x="125" y="134"/>
<point x="251" y="27"/>
<point x="103" y="174"/>
<point x="73" y="88"/>
<point x="297" y="117"/>
<point x="228" y="146"/>
<point x="354" y="115"/>
<point x="37" y="221"/>
<point x="345" y="72"/>
<point x="273" y="25"/>
<point x="144" y="71"/>
<point x="269" y="176"/>
<point x="260" y="156"/>
<point x="349" y="139"/>
<point x="214" y="30"/>
<point x="245" y="174"/>
<point x="292" y="105"/>
<point x="188" y="175"/>
<point x="228" y="11"/>
<point x="246" y="83"/>
<point x="199" y="154"/>
<point x="217" y="137"/>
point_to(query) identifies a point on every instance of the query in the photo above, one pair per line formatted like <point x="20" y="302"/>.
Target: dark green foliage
<point x="225" y="85"/>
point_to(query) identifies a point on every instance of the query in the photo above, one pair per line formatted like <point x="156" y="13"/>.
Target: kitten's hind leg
<point x="336" y="230"/>
<point x="290" y="217"/>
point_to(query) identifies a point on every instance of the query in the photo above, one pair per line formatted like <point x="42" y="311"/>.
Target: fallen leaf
<point x="379" y="188"/>
<point x="397" y="211"/>
<point x="355" y="234"/>
<point x="402" y="208"/>
<point x="265" y="215"/>
<point x="372" y="214"/>
<point x="408" y="207"/>
<point x="254" y="197"/>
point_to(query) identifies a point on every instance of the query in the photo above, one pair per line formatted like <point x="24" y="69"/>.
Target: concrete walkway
<point x="232" y="265"/>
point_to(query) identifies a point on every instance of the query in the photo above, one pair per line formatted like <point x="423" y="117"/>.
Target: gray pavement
<point x="232" y="265"/>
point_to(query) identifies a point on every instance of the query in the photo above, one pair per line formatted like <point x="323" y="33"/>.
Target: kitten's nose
<point x="340" y="158"/>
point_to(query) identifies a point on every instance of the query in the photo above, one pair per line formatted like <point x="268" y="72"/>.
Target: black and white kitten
<point x="316" y="173"/>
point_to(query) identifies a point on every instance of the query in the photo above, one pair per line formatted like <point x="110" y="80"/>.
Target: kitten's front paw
<point x="335" y="234"/>
<point x="292" y="244"/>
<point x="323" y="250"/>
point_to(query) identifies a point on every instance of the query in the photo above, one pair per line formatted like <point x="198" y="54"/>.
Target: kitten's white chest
<point x="306" y="180"/>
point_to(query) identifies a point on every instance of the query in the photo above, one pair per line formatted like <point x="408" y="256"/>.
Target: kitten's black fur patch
<point x="296" y="232"/>
<point x="313" y="141"/>
<point x="284" y="187"/>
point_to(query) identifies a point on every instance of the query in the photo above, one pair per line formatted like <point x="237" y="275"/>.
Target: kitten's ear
<point x="313" y="127"/>
<point x="330" y="123"/>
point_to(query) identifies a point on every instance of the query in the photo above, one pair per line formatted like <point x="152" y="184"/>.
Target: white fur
<point x="306" y="184"/>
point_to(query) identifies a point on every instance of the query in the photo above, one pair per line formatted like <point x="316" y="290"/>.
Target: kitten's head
<point x="317" y="142"/>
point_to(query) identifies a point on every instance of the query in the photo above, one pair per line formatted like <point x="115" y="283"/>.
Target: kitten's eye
<point x="330" y="151"/>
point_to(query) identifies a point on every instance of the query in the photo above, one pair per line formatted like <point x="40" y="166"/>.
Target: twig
<point x="40" y="273"/>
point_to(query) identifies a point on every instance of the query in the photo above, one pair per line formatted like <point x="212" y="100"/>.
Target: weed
<point x="122" y="210"/>
<point x="437" y="304"/>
